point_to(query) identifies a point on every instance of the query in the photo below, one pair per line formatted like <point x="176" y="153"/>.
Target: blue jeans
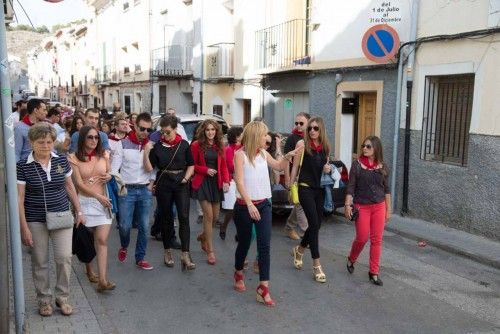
<point x="244" y="225"/>
<point x="139" y="201"/>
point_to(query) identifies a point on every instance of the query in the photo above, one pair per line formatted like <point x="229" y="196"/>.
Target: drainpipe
<point x="202" y="58"/>
<point x="409" y="85"/>
<point x="8" y="168"/>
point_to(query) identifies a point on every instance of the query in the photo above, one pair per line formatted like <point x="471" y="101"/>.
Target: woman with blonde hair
<point x="253" y="207"/>
<point x="313" y="162"/>
<point x="211" y="179"/>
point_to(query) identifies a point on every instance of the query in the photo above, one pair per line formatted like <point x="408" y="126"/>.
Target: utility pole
<point x="8" y="169"/>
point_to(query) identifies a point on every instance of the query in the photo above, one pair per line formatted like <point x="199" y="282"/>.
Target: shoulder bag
<point x="164" y="170"/>
<point x="294" y="188"/>
<point x="56" y="220"/>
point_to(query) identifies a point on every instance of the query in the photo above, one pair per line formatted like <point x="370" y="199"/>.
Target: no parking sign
<point x="380" y="43"/>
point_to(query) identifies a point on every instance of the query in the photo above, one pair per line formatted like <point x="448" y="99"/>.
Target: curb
<point x="446" y="247"/>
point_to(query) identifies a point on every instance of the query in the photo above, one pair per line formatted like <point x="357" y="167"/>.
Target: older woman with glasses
<point x="368" y="192"/>
<point x="91" y="171"/>
<point x="172" y="158"/>
<point x="313" y="162"/>
<point x="44" y="185"/>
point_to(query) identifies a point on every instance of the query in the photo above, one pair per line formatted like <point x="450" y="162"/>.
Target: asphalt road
<point x="425" y="290"/>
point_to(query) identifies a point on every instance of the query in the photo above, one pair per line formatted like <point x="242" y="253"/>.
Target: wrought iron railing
<point x="172" y="61"/>
<point x="282" y="46"/>
<point x="220" y="61"/>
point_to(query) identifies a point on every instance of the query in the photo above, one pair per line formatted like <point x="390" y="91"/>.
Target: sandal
<point x="318" y="274"/>
<point x="45" y="310"/>
<point x="66" y="309"/>
<point x="262" y="293"/>
<point x="239" y="283"/>
<point x="297" y="257"/>
<point x="101" y="287"/>
<point x="93" y="277"/>
<point x="167" y="258"/>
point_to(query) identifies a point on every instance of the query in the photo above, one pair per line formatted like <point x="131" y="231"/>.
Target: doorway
<point x="247" y="111"/>
<point x="364" y="124"/>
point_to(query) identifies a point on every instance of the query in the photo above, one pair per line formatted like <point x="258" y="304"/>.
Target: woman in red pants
<point x="369" y="188"/>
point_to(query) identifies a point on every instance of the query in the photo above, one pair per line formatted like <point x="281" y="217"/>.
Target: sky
<point x="48" y="14"/>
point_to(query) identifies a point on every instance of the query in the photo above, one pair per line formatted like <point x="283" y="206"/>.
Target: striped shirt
<point x="31" y="173"/>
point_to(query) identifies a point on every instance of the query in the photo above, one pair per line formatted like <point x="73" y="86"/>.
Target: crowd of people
<point x="71" y="161"/>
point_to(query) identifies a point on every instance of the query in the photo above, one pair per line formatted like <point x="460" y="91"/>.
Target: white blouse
<point x="256" y="178"/>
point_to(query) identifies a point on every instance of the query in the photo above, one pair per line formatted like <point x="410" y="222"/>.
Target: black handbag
<point x="83" y="244"/>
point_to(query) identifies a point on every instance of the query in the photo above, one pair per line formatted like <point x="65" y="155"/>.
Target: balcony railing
<point x="172" y="61"/>
<point x="282" y="46"/>
<point x="220" y="63"/>
<point x="106" y="75"/>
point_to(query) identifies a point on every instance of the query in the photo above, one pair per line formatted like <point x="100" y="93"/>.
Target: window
<point x="163" y="100"/>
<point x="127" y="103"/>
<point x="217" y="110"/>
<point x="137" y="68"/>
<point x="447" y="115"/>
<point x="126" y="70"/>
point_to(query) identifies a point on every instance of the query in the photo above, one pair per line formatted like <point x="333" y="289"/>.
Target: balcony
<point x="220" y="63"/>
<point x="173" y="61"/>
<point x="282" y="47"/>
<point x="106" y="76"/>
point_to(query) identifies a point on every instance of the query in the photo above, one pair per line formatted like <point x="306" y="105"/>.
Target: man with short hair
<point x="91" y="119"/>
<point x="119" y="132"/>
<point x="297" y="215"/>
<point x="37" y="112"/>
<point x="20" y="112"/>
<point x="54" y="117"/>
<point x="131" y="161"/>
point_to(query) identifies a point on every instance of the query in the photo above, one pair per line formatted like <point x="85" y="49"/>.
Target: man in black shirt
<point x="297" y="216"/>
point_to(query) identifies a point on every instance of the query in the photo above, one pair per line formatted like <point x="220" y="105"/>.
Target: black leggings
<point x="311" y="201"/>
<point x="166" y="197"/>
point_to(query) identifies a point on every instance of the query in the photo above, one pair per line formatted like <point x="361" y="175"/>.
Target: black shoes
<point x="375" y="279"/>
<point x="350" y="266"/>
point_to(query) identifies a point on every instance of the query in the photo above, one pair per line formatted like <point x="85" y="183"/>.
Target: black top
<point x="161" y="155"/>
<point x="312" y="168"/>
<point x="368" y="186"/>
<point x="32" y="174"/>
<point x="291" y="141"/>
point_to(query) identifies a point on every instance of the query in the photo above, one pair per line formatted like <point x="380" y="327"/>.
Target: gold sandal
<point x="101" y="287"/>
<point x="167" y="258"/>
<point x="45" y="310"/>
<point x="297" y="257"/>
<point x="318" y="274"/>
<point x="93" y="277"/>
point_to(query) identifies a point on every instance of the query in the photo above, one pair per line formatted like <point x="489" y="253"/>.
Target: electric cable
<point x="19" y="2"/>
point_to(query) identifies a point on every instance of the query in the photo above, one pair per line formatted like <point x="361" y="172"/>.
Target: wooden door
<point x="247" y="111"/>
<point x="365" y="118"/>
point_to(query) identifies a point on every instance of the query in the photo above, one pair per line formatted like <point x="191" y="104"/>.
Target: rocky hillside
<point x="20" y="42"/>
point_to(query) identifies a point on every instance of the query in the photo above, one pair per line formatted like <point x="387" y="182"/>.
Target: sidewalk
<point x="477" y="248"/>
<point x="83" y="319"/>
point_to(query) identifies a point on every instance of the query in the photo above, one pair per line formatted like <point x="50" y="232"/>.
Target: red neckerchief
<point x="364" y="160"/>
<point x="112" y="136"/>
<point x="318" y="148"/>
<point x="235" y="147"/>
<point x="26" y="120"/>
<point x="173" y="142"/>
<point x="90" y="155"/>
<point x="298" y="132"/>
<point x="133" y="138"/>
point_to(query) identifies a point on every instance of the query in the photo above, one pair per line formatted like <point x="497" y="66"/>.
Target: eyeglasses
<point x="299" y="123"/>
<point x="315" y="128"/>
<point x="166" y="133"/>
<point x="142" y="129"/>
<point x="368" y="146"/>
<point x="93" y="137"/>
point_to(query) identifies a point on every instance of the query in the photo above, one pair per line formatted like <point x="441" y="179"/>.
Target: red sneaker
<point x="143" y="264"/>
<point x="122" y="254"/>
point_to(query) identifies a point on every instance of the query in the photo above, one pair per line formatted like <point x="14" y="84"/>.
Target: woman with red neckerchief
<point x="172" y="157"/>
<point x="211" y="179"/>
<point x="91" y="169"/>
<point x="313" y="162"/>
<point x="369" y="193"/>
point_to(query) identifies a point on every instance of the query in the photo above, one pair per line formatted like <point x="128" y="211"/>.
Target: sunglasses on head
<point x="368" y="146"/>
<point x="93" y="137"/>
<point x="299" y="123"/>
<point x="142" y="129"/>
<point x="315" y="128"/>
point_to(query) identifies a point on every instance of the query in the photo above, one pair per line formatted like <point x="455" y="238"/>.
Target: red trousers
<point x="370" y="224"/>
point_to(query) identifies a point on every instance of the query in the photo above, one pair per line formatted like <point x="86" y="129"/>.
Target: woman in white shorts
<point x="91" y="168"/>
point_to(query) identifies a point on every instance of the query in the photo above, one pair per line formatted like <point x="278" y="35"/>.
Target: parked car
<point x="281" y="204"/>
<point x="189" y="122"/>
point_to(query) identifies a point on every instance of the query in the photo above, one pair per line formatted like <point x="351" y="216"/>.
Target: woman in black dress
<point x="171" y="156"/>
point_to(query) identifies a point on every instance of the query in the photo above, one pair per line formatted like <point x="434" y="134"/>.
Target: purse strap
<point x="43" y="187"/>
<point x="300" y="166"/>
<point x="169" y="164"/>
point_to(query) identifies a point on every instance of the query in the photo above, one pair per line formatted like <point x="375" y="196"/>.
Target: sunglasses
<point x="166" y="133"/>
<point x="299" y="123"/>
<point x="368" y="146"/>
<point x="93" y="137"/>
<point x="142" y="129"/>
<point x="315" y="128"/>
<point x="268" y="143"/>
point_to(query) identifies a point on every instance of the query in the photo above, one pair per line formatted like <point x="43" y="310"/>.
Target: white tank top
<point x="256" y="178"/>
